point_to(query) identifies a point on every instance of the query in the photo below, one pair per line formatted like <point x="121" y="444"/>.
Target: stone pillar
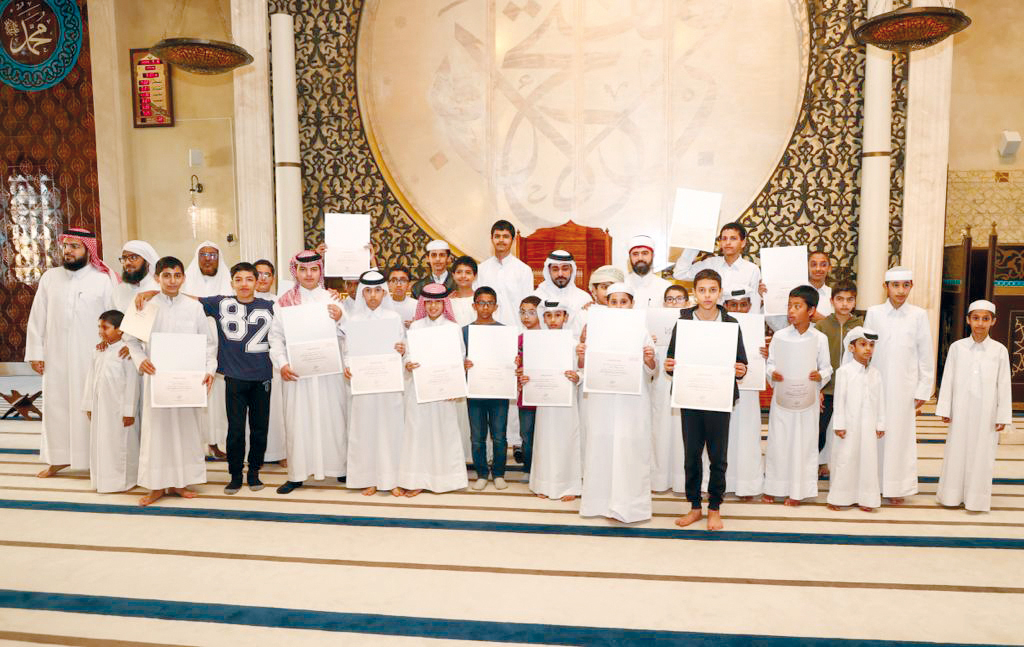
<point x="253" y="152"/>
<point x="287" y="160"/>
<point x="875" y="174"/>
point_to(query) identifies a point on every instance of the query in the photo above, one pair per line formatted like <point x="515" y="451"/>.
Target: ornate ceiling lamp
<point x="910" y="28"/>
<point x="200" y="55"/>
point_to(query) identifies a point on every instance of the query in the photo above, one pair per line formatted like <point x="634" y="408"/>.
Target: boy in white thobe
<point x="731" y="266"/>
<point x="432" y="457"/>
<point x="667" y="465"/>
<point x="556" y="471"/>
<point x="791" y="458"/>
<point x="315" y="414"/>
<point x="376" y="423"/>
<point x="171" y="443"/>
<point x="744" y="473"/>
<point x="617" y="456"/>
<point x="975" y="401"/>
<point x="859" y="421"/>
<point x="111" y="400"/>
<point x="905" y="360"/>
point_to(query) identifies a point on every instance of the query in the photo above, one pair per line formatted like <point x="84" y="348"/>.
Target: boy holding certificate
<point x="171" y="456"/>
<point x="731" y="267"/>
<point x="111" y="400"/>
<point x="556" y="470"/>
<point x="706" y="429"/>
<point x="835" y="326"/>
<point x="376" y="420"/>
<point x="744" y="472"/>
<point x="799" y="365"/>
<point x="529" y="320"/>
<point x="432" y="457"/>
<point x="667" y="470"/>
<point x="315" y="422"/>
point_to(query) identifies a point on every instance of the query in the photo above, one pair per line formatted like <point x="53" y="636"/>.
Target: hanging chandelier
<point x="910" y="28"/>
<point x="201" y="55"/>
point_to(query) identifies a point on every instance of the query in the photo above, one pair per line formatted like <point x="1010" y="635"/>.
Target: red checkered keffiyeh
<point x="433" y="291"/>
<point x="88" y="239"/>
<point x="293" y="297"/>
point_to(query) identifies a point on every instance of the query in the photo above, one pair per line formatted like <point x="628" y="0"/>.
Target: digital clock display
<point x="151" y="90"/>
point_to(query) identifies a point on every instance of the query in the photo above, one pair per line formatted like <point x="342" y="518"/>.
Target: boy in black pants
<point x="706" y="428"/>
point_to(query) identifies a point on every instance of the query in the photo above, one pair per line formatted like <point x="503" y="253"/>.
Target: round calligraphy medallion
<point x="39" y="42"/>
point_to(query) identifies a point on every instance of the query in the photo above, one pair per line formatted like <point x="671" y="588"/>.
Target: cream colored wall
<point x="987" y="98"/>
<point x="156" y="159"/>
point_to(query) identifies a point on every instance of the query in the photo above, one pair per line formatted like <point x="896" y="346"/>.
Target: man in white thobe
<point x="59" y="343"/>
<point x="510" y="278"/>
<point x="648" y="286"/>
<point x="731" y="266"/>
<point x="138" y="258"/>
<point x="559" y="285"/>
<point x="904" y="357"/>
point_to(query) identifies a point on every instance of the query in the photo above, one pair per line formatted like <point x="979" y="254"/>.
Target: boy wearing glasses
<point x="402" y="302"/>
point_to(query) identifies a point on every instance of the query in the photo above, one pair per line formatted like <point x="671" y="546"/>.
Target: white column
<point x="875" y="174"/>
<point x="253" y="153"/>
<point x="287" y="161"/>
<point x="924" y="202"/>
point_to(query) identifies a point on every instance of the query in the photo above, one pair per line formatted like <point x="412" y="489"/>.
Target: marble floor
<point x="326" y="565"/>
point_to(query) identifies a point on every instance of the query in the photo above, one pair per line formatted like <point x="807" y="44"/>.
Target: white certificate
<point x="376" y="373"/>
<point x="614" y="356"/>
<point x="180" y="363"/>
<point x="752" y="327"/>
<point x="611" y="372"/>
<point x="438" y="351"/>
<point x="695" y="219"/>
<point x="782" y="269"/>
<point x="547" y="355"/>
<point x="660" y="324"/>
<point x="795" y="360"/>
<point x="373" y="336"/>
<point x="312" y="340"/>
<point x="705" y="370"/>
<point x="139" y="324"/>
<point x="346" y="236"/>
<point x="492" y="349"/>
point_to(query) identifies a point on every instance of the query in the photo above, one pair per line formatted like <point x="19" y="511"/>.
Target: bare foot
<point x="693" y="516"/>
<point x="370" y="491"/>
<point x="183" y="492"/>
<point x="823" y="471"/>
<point x="283" y="462"/>
<point x="152" y="497"/>
<point x="51" y="471"/>
<point x="791" y="502"/>
<point x="897" y="500"/>
<point x="746" y="499"/>
<point x="569" y="497"/>
<point x="397" y="491"/>
<point x="767" y="499"/>
<point x="715" y="520"/>
<point x="833" y="507"/>
<point x="217" y="453"/>
<point x="541" y="496"/>
<point x="412" y="493"/>
<point x="866" y="509"/>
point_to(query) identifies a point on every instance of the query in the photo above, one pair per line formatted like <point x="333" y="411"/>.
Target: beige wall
<point x="155" y="171"/>
<point x="987" y="98"/>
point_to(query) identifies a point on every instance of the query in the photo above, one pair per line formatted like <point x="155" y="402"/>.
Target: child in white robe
<point x="667" y="468"/>
<point x="617" y="455"/>
<point x="111" y="400"/>
<point x="556" y="471"/>
<point x="791" y="458"/>
<point x="432" y="456"/>
<point x="376" y="420"/>
<point x="744" y="472"/>
<point x="975" y="401"/>
<point x="171" y="442"/>
<point x="905" y="359"/>
<point x="858" y="413"/>
<point x="316" y="433"/>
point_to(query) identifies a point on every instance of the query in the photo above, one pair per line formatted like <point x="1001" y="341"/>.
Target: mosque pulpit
<point x="591" y="247"/>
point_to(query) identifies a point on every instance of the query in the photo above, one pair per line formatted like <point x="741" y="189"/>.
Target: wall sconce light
<point x="198" y="218"/>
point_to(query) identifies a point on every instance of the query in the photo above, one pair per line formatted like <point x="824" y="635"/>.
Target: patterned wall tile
<point x="979" y="198"/>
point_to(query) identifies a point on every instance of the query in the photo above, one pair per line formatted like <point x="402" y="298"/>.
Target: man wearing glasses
<point x="137" y="260"/>
<point x="399" y="282"/>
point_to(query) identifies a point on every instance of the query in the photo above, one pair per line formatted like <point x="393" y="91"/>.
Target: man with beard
<point x="59" y="345"/>
<point x="137" y="260"/>
<point x="649" y="288"/>
<point x="208" y="276"/>
<point x="558" y="284"/>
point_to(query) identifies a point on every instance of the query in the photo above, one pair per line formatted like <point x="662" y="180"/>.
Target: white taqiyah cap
<point x="982" y="304"/>
<point x="620" y="287"/>
<point x="860" y="332"/>
<point x="438" y="245"/>
<point x="735" y="294"/>
<point x="641" y="240"/>
<point x="899" y="274"/>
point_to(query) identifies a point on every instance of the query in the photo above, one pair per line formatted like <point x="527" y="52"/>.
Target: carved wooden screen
<point x="591" y="246"/>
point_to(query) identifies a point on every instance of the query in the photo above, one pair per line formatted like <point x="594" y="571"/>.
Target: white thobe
<point x="215" y="417"/>
<point x="512" y="280"/>
<point x="859" y="409"/>
<point x="556" y="469"/>
<point x="617" y="455"/>
<point x="314" y="407"/>
<point x="791" y="457"/>
<point x="62" y="332"/>
<point x="111" y="393"/>
<point x="824" y="308"/>
<point x="276" y="449"/>
<point x="975" y="395"/>
<point x="741" y="272"/>
<point x="463" y="309"/>
<point x="667" y="457"/>
<point x="903" y="355"/>
<point x="124" y="292"/>
<point x="744" y="472"/>
<point x="432" y="454"/>
<point x="376" y="426"/>
<point x="406" y="308"/>
<point x="570" y="296"/>
<point x="171" y="445"/>
<point x="648" y="290"/>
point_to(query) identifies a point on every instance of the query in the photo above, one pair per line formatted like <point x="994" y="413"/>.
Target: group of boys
<point x="610" y="449"/>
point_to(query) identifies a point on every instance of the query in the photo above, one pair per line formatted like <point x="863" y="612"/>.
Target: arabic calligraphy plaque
<point x="39" y="42"/>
